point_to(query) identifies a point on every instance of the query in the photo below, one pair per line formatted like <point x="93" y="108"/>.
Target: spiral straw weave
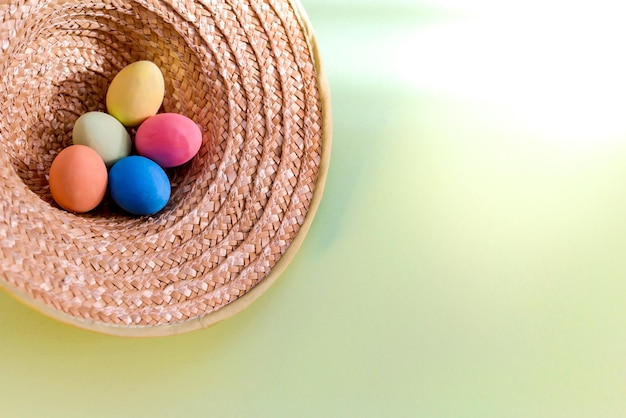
<point x="247" y="71"/>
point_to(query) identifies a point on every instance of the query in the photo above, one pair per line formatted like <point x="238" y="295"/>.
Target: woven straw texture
<point x="247" y="71"/>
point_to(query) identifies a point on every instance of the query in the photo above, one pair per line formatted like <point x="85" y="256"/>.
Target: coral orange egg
<point x="78" y="179"/>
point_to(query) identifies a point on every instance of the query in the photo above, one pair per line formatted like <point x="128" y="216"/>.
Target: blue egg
<point x="139" y="186"/>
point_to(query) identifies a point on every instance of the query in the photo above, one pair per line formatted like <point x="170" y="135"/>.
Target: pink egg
<point x="169" y="139"/>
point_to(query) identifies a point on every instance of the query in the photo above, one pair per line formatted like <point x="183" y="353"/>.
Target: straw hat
<point x="248" y="72"/>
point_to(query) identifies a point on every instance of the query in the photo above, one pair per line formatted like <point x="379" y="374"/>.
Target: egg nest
<point x="245" y="71"/>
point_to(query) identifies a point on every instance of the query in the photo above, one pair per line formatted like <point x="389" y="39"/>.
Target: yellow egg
<point x="136" y="93"/>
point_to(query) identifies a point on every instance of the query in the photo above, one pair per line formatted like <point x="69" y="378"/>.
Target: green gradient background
<point x="467" y="259"/>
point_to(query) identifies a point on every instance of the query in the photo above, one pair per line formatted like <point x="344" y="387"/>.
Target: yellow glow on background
<point x="554" y="70"/>
<point x="563" y="82"/>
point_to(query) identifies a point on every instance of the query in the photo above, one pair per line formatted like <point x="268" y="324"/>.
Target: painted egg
<point x="170" y="139"/>
<point x="138" y="185"/>
<point x="78" y="179"/>
<point x="136" y="93"/>
<point x="105" y="134"/>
